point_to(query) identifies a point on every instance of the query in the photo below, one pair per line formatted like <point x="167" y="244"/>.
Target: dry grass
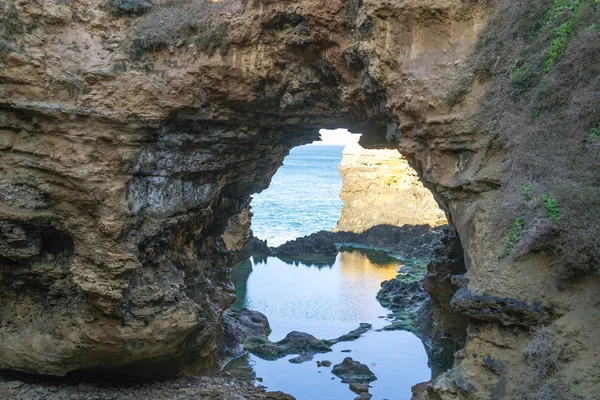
<point x="75" y="85"/>
<point x="541" y="108"/>
<point x="174" y="22"/>
<point x="542" y="354"/>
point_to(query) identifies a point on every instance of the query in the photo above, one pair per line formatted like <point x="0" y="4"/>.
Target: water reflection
<point x="329" y="302"/>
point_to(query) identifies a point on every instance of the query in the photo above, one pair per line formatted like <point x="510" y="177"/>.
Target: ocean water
<point x="303" y="197"/>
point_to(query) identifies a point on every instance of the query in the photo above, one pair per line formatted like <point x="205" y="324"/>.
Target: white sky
<point x="336" y="137"/>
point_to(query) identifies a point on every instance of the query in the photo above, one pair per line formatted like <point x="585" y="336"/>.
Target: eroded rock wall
<point x="380" y="188"/>
<point x="125" y="167"/>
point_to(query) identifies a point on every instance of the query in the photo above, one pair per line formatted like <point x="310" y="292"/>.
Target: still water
<point x="329" y="301"/>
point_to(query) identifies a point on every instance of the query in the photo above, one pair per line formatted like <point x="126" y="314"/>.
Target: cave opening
<point x="306" y="274"/>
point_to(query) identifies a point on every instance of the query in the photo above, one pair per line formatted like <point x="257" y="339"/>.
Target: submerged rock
<point x="352" y="335"/>
<point x="351" y="371"/>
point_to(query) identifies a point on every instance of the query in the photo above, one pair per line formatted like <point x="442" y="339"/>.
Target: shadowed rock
<point x="352" y="335"/>
<point x="316" y="244"/>
<point x="351" y="371"/>
<point x="241" y="326"/>
<point x="295" y="342"/>
<point x="303" y="344"/>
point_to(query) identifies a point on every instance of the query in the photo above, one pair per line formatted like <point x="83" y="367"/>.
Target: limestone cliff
<point x="131" y="140"/>
<point x="380" y="188"/>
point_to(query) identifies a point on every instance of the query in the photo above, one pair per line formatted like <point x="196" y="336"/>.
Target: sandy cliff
<point x="380" y="188"/>
<point x="131" y="142"/>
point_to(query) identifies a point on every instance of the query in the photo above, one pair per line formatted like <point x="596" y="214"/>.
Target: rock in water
<point x="301" y="343"/>
<point x="239" y="327"/>
<point x="316" y="244"/>
<point x="351" y="371"/>
<point x="359" y="388"/>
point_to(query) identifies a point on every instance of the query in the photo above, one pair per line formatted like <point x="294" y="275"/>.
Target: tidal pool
<point x="328" y="301"/>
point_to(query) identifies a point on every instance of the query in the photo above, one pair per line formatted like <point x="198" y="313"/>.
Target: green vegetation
<point x="516" y="234"/>
<point x="551" y="207"/>
<point x="519" y="66"/>
<point x="543" y="61"/>
<point x="561" y="34"/>
<point x="561" y="37"/>
<point x="527" y="192"/>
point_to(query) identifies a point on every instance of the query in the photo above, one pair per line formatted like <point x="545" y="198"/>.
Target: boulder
<point x="351" y="371"/>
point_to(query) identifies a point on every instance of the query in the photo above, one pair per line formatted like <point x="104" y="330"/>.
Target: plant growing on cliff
<point x="561" y="87"/>
<point x="543" y="356"/>
<point x="552" y="207"/>
<point x="516" y="234"/>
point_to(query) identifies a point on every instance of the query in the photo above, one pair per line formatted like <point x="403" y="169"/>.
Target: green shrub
<point x="516" y="234"/>
<point x="551" y="207"/>
<point x="561" y="37"/>
<point x="527" y="192"/>
<point x="519" y="66"/>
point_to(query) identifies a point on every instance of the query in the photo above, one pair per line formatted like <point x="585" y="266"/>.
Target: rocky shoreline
<point x="247" y="331"/>
<point x="432" y="266"/>
<point x="405" y="242"/>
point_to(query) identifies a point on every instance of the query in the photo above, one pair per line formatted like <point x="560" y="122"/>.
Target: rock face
<point x="380" y="188"/>
<point x="240" y="326"/>
<point x="130" y="145"/>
